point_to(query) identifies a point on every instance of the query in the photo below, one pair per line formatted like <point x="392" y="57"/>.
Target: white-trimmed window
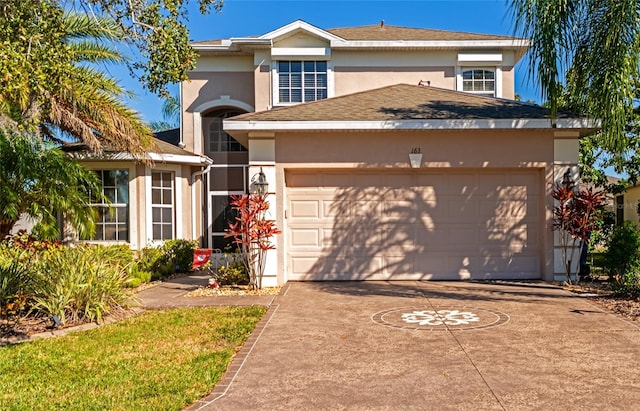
<point x="301" y="81"/>
<point x="479" y="81"/>
<point x="162" y="205"/>
<point x="113" y="218"/>
<point x="217" y="139"/>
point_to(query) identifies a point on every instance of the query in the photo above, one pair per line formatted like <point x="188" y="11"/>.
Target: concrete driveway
<point x="433" y="346"/>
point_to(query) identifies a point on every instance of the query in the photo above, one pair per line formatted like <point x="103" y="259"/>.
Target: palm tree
<point x="592" y="47"/>
<point x="170" y="115"/>
<point x="67" y="94"/>
<point x="41" y="181"/>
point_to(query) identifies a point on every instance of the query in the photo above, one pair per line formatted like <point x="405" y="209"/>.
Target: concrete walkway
<point x="432" y="346"/>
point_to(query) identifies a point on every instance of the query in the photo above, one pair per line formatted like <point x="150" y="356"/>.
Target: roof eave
<point x="429" y="124"/>
<point x="156" y="157"/>
<point x="432" y="44"/>
<point x="235" y="44"/>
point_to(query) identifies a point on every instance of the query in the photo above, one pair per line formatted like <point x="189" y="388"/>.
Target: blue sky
<point x="255" y="17"/>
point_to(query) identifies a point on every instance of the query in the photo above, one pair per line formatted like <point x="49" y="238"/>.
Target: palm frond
<point x="88" y="51"/>
<point x="83" y="25"/>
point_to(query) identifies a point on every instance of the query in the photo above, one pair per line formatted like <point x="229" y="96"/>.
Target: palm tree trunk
<point x="6" y="225"/>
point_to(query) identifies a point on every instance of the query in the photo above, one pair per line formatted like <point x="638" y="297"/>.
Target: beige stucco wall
<point x="248" y="78"/>
<point x="631" y="198"/>
<point x="262" y="100"/>
<point x="440" y="148"/>
<point x="354" y="79"/>
<point x="204" y="88"/>
<point x="300" y="39"/>
<point x="508" y="82"/>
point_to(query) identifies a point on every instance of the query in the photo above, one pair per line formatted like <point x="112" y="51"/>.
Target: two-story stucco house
<point x="331" y="118"/>
<point x="390" y="153"/>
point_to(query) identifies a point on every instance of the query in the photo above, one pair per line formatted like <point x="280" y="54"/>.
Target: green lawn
<point x="159" y="360"/>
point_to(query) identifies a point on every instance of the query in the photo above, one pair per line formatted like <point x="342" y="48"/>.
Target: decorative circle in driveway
<point x="440" y="318"/>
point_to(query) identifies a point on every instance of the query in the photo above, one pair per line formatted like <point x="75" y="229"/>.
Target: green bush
<point x="150" y="260"/>
<point x="138" y="277"/>
<point x="122" y="256"/>
<point x="172" y="256"/>
<point x="232" y="273"/>
<point x="78" y="284"/>
<point x="622" y="258"/>
<point x="180" y="254"/>
<point x="15" y="285"/>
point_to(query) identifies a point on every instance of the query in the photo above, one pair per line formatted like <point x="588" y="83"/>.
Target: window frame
<point x="275" y="77"/>
<point x="162" y="205"/>
<point x="113" y="208"/>
<point x="497" y="79"/>
<point x="209" y="120"/>
<point x="222" y="193"/>
<point x="178" y="229"/>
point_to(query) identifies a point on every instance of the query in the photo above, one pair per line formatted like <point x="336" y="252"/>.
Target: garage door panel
<point x="368" y="208"/>
<point x="305" y="209"/>
<point x="515" y="265"/>
<point x="414" y="225"/>
<point x="432" y="262"/>
<point x="393" y="210"/>
<point x="461" y="210"/>
<point x="459" y="184"/>
<point x="398" y="235"/>
<point x="331" y="208"/>
<point x="426" y="194"/>
<point x="528" y="180"/>
<point x="305" y="237"/>
<point x="503" y="209"/>
<point x="396" y="263"/>
<point x="302" y="266"/>
<point x="463" y="235"/>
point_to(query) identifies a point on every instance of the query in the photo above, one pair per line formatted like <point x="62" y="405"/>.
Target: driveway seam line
<point x="271" y="313"/>
<point x="466" y="354"/>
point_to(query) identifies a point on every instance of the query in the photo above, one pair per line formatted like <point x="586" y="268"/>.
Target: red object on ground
<point x="201" y="256"/>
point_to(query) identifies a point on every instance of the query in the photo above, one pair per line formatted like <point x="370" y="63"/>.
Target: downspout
<point x="181" y="143"/>
<point x="193" y="194"/>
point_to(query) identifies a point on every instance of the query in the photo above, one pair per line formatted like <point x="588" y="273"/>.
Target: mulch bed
<point x="232" y="290"/>
<point x="25" y="328"/>
<point x="600" y="293"/>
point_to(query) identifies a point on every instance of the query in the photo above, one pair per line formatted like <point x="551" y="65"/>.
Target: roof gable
<point x="297" y="26"/>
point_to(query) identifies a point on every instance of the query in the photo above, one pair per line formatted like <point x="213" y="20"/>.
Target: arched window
<point x="217" y="140"/>
<point x="479" y="81"/>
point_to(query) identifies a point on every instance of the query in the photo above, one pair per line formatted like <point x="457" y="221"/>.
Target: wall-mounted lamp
<point x="415" y="157"/>
<point x="567" y="178"/>
<point x="259" y="183"/>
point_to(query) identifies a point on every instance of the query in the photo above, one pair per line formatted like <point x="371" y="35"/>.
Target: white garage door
<point x="346" y="225"/>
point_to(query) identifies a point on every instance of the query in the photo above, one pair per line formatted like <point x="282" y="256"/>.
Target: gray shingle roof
<point x="160" y="147"/>
<point x="378" y="32"/>
<point x="403" y="102"/>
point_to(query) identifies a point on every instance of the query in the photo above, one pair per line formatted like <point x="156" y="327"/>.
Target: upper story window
<point x="217" y="139"/>
<point x="479" y="81"/>
<point x="301" y="81"/>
